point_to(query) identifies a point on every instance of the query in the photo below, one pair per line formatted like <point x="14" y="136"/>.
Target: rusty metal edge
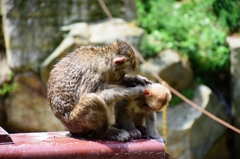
<point x="5" y="138"/>
<point x="56" y="145"/>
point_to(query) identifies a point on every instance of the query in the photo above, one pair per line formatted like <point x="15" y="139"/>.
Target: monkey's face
<point x="121" y="66"/>
<point x="125" y="50"/>
<point x="124" y="61"/>
<point x="157" y="97"/>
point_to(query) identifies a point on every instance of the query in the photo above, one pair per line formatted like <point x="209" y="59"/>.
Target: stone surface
<point x="32" y="28"/>
<point x="220" y="149"/>
<point x="5" y="77"/>
<point x="98" y="33"/>
<point x="171" y="68"/>
<point x="27" y="108"/>
<point x="234" y="44"/>
<point x="191" y="134"/>
<point x="5" y="71"/>
<point x="25" y="32"/>
<point x="129" y="9"/>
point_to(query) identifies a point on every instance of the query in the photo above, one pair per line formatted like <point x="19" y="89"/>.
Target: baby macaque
<point x="132" y="115"/>
<point x="79" y="92"/>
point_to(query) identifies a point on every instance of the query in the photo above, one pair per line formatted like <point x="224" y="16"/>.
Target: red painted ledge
<point x="57" y="145"/>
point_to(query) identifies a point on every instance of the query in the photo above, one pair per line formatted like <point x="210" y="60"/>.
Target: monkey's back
<point x="76" y="74"/>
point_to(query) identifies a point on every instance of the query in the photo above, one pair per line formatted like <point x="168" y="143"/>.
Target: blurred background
<point x="193" y="45"/>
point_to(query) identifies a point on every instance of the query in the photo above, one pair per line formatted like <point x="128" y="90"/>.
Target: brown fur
<point x="79" y="93"/>
<point x="140" y="112"/>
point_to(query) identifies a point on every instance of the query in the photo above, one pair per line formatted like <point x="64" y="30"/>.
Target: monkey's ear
<point x="119" y="60"/>
<point x="147" y="92"/>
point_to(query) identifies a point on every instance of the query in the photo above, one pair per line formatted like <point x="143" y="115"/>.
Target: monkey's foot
<point x="135" y="133"/>
<point x="143" y="130"/>
<point x="117" y="135"/>
<point x="158" y="137"/>
<point x="163" y="140"/>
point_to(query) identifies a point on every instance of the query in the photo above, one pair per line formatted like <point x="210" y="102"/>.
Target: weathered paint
<point x="53" y="145"/>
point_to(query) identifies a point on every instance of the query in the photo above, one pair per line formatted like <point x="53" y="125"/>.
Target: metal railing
<point x="57" y="145"/>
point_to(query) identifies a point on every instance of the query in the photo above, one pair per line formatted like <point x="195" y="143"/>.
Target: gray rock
<point x="5" y="72"/>
<point x="191" y="134"/>
<point x="32" y="28"/>
<point x="25" y="32"/>
<point x="27" y="108"/>
<point x="171" y="68"/>
<point x="234" y="44"/>
<point x="98" y="33"/>
<point x="129" y="9"/>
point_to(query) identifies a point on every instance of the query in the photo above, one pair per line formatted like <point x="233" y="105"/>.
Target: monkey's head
<point x="157" y="97"/>
<point x="124" y="61"/>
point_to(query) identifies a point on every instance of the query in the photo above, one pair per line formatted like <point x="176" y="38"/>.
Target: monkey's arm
<point x="151" y="127"/>
<point x="123" y="119"/>
<point x="133" y="81"/>
<point x="114" y="94"/>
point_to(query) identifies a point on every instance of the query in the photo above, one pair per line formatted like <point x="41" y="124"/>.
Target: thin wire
<point x="107" y="12"/>
<point x="187" y="100"/>
<point x="105" y="9"/>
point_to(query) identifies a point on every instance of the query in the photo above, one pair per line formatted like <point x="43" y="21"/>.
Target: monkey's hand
<point x="133" y="81"/>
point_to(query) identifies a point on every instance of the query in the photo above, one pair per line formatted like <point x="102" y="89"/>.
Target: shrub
<point x="228" y="14"/>
<point x="7" y="88"/>
<point x="191" y="28"/>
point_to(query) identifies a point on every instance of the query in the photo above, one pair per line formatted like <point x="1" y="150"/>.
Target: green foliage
<point x="190" y="27"/>
<point x="7" y="88"/>
<point x="228" y="13"/>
